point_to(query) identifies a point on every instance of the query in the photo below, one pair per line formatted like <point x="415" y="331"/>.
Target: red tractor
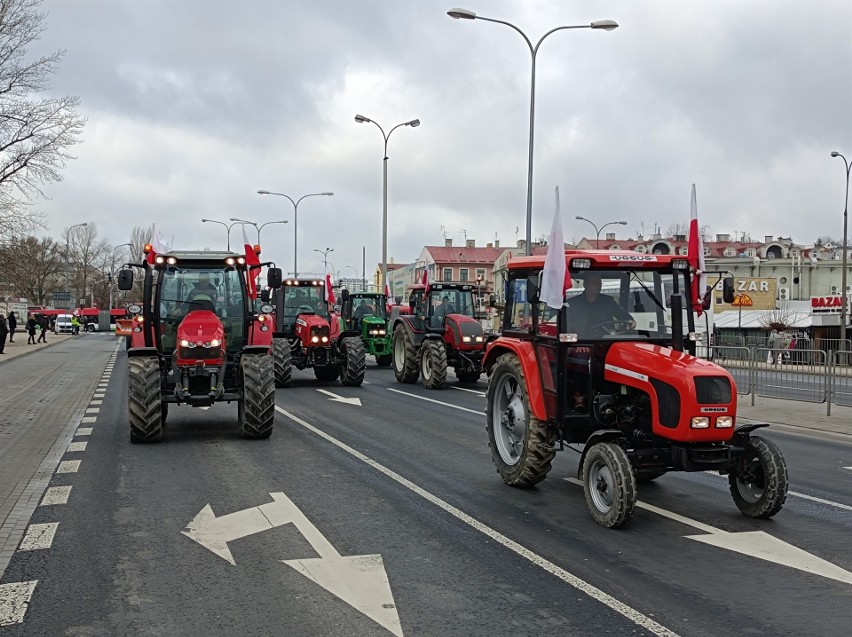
<point x="308" y="334"/>
<point x="439" y="332"/>
<point x="196" y="340"/>
<point x="614" y="369"/>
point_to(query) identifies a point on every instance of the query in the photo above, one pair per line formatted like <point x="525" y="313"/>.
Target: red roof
<point x="459" y="254"/>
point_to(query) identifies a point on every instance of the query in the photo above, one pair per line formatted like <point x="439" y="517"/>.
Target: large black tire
<point x="326" y="373"/>
<point x="143" y="399"/>
<point x="405" y="362"/>
<point x="354" y="361"/>
<point x="469" y="377"/>
<point x="258" y="403"/>
<point x="609" y="485"/>
<point x="281" y="360"/>
<point x="759" y="485"/>
<point x="383" y="360"/>
<point x="522" y="446"/>
<point x="433" y="363"/>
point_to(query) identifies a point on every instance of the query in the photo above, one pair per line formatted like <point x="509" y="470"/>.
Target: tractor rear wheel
<point x="609" y="485"/>
<point x="143" y="399"/>
<point x="383" y="360"/>
<point x="354" y="361"/>
<point x="258" y="403"/>
<point x="468" y="377"/>
<point x="521" y="444"/>
<point x="326" y="373"/>
<point x="433" y="363"/>
<point x="759" y="486"/>
<point x="404" y="355"/>
<point x="281" y="359"/>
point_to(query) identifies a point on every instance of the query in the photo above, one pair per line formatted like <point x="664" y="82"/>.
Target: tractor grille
<point x="200" y="353"/>
<point x="669" y="403"/>
<point x="712" y="390"/>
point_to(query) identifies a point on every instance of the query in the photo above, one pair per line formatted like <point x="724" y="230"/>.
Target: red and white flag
<point x="388" y="295"/>
<point x="555" y="279"/>
<point x="251" y="260"/>
<point x="695" y="256"/>
<point x="328" y="292"/>
<point x="425" y="280"/>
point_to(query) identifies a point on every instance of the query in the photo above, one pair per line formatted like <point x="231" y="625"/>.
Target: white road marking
<point x="432" y="400"/>
<point x="754" y="544"/>
<point x="93" y="410"/>
<point x="39" y="536"/>
<point x="471" y="391"/>
<point x="592" y="591"/>
<point x="56" y="495"/>
<point x="98" y="396"/>
<point x="83" y="431"/>
<point x="14" y="600"/>
<point x="77" y="446"/>
<point x="68" y="466"/>
<point x="850" y="468"/>
<point x="88" y="420"/>
<point x="96" y="402"/>
<point x="340" y="399"/>
<point x="359" y="580"/>
<point x="805" y="496"/>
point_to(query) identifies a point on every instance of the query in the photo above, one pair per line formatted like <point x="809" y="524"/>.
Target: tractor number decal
<point x="626" y="372"/>
<point x="632" y="257"/>
<point x="302" y="322"/>
<point x="714" y="410"/>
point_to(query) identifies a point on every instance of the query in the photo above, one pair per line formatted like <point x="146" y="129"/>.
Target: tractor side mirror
<point x="344" y="295"/>
<point x="125" y="279"/>
<point x="492" y="300"/>
<point x="728" y="290"/>
<point x="706" y="302"/>
<point x="533" y="288"/>
<point x="273" y="278"/>
<point x="264" y="296"/>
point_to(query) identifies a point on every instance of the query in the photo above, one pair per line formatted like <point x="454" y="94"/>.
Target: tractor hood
<point x="200" y="337"/>
<point x="681" y="387"/>
<point x="313" y="330"/>
<point x="463" y="332"/>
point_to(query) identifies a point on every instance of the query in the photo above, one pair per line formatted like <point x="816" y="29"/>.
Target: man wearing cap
<point x="594" y="314"/>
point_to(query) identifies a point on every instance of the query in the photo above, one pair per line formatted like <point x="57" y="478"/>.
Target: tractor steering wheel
<point x="612" y="328"/>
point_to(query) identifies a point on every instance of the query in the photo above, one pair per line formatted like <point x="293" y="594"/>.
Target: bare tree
<point x="781" y="319"/>
<point x="677" y="229"/>
<point x="31" y="268"/>
<point x="85" y="254"/>
<point x="36" y="133"/>
<point x="139" y="236"/>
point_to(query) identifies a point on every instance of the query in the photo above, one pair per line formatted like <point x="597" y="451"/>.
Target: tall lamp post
<point x="844" y="297"/>
<point x="68" y="259"/>
<point x="295" y="220"/>
<point x="228" y="226"/>
<point x="605" y="25"/>
<point x="414" y="123"/>
<point x="324" y="254"/>
<point x="598" y="230"/>
<point x="257" y="227"/>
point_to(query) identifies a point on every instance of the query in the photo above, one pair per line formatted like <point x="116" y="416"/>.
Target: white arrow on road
<point x="359" y="580"/>
<point x="340" y="399"/>
<point x="754" y="544"/>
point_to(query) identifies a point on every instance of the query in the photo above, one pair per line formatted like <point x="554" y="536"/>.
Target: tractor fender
<point x="410" y="322"/>
<point x="526" y="355"/>
<point x="255" y="349"/>
<point x="142" y="351"/>
<point x="600" y="435"/>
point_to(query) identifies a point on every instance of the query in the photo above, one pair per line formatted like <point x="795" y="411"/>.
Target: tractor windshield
<point x="304" y="298"/>
<point x="184" y="289"/>
<point x="368" y="305"/>
<point x="443" y="301"/>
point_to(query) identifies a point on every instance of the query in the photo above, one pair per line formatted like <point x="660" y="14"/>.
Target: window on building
<point x="448" y="274"/>
<point x="463" y="274"/>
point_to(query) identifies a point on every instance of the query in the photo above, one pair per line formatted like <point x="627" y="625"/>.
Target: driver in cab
<point x="594" y="314"/>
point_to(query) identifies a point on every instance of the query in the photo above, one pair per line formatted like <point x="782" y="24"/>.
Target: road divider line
<point x="68" y="466"/>
<point x="470" y="391"/>
<point x="83" y="431"/>
<point x="805" y="496"/>
<point x="14" y="601"/>
<point x="76" y="446"/>
<point x="39" y="536"/>
<point x="432" y="400"/>
<point x="572" y="580"/>
<point x="56" y="495"/>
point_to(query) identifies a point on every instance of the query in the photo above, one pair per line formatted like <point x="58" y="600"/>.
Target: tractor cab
<point x="435" y="304"/>
<point x="366" y="314"/>
<point x="301" y="296"/>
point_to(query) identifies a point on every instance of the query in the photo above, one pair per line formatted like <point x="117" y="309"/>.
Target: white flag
<point x="158" y="243"/>
<point x="553" y="279"/>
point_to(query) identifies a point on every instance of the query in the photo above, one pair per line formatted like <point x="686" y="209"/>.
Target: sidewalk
<point x="796" y="413"/>
<point x="21" y="348"/>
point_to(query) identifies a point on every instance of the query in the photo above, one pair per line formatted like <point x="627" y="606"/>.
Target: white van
<point x="63" y="324"/>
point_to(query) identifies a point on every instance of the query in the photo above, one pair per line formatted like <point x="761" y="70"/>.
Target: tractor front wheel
<point x="282" y="361"/>
<point x="521" y="444"/>
<point x="143" y="399"/>
<point x="257" y="409"/>
<point x="354" y="361"/>
<point x="759" y="484"/>
<point x="609" y="485"/>
<point x="404" y="356"/>
<point x="433" y="363"/>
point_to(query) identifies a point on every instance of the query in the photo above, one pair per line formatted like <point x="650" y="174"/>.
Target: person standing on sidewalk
<point x="13" y="323"/>
<point x="42" y="323"/>
<point x="3" y="331"/>
<point x="31" y="330"/>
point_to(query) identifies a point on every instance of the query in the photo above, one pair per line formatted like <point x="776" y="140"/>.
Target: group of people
<point x="9" y="324"/>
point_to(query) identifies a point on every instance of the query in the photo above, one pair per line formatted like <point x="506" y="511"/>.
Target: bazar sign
<point x="826" y="303"/>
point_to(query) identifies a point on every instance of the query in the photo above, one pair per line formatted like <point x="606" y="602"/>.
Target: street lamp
<point x="68" y="260"/>
<point x="604" y="25"/>
<point x="843" y="299"/>
<point x="295" y="220"/>
<point x="257" y="227"/>
<point x="414" y="123"/>
<point x="222" y="223"/>
<point x="598" y="230"/>
<point x="324" y="254"/>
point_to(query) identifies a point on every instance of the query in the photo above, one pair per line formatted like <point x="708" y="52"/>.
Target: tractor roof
<point x="601" y="259"/>
<point x="441" y="285"/>
<point x="199" y="255"/>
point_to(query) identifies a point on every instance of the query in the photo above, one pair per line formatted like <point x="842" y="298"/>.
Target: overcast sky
<point x="194" y="105"/>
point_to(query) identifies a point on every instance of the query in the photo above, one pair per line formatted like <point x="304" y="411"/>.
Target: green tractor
<point x="366" y="312"/>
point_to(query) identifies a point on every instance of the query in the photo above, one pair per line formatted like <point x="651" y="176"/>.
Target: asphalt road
<point x="407" y="475"/>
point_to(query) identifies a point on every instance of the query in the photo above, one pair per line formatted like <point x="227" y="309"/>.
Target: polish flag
<point x="695" y="256"/>
<point x="328" y="292"/>
<point x="425" y="280"/>
<point x="251" y="260"/>
<point x="556" y="278"/>
<point x="388" y="295"/>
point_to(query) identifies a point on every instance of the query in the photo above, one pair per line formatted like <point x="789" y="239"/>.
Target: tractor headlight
<point x="725" y="422"/>
<point x="680" y="264"/>
<point x="230" y="261"/>
<point x="382" y="332"/>
<point x="264" y="328"/>
<point x="214" y="343"/>
<point x="314" y="339"/>
<point x="465" y="339"/>
<point x="325" y="339"/>
<point x="478" y="339"/>
<point x="700" y="422"/>
<point x="185" y="343"/>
